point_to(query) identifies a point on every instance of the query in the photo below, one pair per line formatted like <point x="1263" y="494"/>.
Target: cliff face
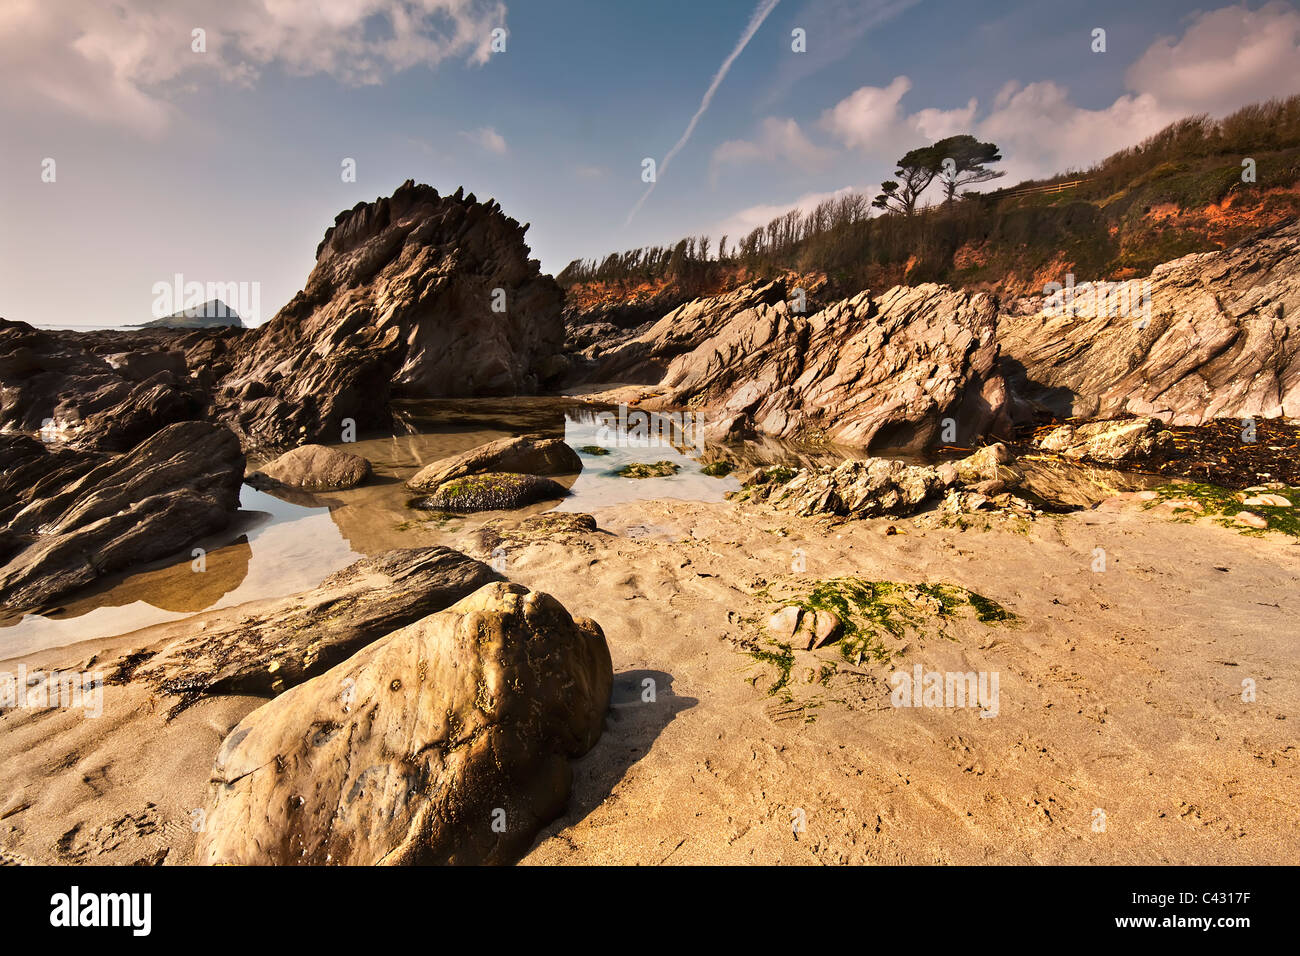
<point x="1220" y="339"/>
<point x="412" y="296"/>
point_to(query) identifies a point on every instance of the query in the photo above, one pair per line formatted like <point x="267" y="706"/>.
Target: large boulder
<point x="416" y="295"/>
<point x="171" y="489"/>
<point x="275" y="645"/>
<point x="448" y="741"/>
<point x="524" y="454"/>
<point x="318" y="468"/>
<point x="494" y="491"/>
<point x="1220" y="339"/>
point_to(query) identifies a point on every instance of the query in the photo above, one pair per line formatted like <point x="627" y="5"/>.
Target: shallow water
<point x="277" y="547"/>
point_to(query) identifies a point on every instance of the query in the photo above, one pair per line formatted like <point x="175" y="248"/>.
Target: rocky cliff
<point x="1220" y="339"/>
<point x="415" y="295"/>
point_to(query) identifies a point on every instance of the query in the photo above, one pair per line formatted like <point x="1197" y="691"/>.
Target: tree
<point x="968" y="158"/>
<point x="917" y="169"/>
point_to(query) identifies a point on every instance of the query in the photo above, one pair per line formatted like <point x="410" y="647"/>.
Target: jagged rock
<point x="177" y="486"/>
<point x="869" y="487"/>
<point x="55" y="383"/>
<point x="1126" y="439"/>
<point x="1222" y="340"/>
<point x="864" y="372"/>
<point x="448" y="741"/>
<point x="494" y="491"/>
<point x="525" y="454"/>
<point x="400" y="304"/>
<point x="271" y="646"/>
<point x="317" y="468"/>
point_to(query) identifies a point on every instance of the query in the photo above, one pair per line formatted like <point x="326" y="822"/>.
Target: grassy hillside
<point x="1180" y="191"/>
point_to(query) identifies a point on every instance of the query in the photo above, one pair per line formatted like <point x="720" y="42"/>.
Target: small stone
<point x="1148" y="495"/>
<point x="784" y="622"/>
<point x="1186" y="504"/>
<point x="1250" y="520"/>
<point x="1273" y="501"/>
<point x="826" y="628"/>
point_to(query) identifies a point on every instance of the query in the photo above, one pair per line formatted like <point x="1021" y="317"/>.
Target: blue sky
<point x="225" y="165"/>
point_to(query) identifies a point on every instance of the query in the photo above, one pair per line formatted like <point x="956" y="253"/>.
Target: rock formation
<point x="271" y="646"/>
<point x="448" y="741"/>
<point x="871" y="487"/>
<point x="1220" y="339"/>
<point x="172" y="488"/>
<point x="103" y="391"/>
<point x="525" y="455"/>
<point x="412" y="296"/>
<point x="316" y="468"/>
<point x="1127" y="439"/>
<point x="866" y="372"/>
<point x="491" y="491"/>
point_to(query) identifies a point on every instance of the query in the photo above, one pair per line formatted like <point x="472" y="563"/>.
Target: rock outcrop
<point x="271" y="646"/>
<point x="317" y="468"/>
<point x="177" y="486"/>
<point x="867" y="372"/>
<point x="448" y="741"/>
<point x="412" y="296"/>
<point x="1220" y="339"/>
<point x="1127" y="439"/>
<point x="871" y="487"/>
<point x="98" y="391"/>
<point x="524" y="454"/>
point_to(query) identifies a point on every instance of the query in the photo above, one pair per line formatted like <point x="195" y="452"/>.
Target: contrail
<point x="755" y="21"/>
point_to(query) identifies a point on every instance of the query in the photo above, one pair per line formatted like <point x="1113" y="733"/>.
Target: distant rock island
<point x="210" y="315"/>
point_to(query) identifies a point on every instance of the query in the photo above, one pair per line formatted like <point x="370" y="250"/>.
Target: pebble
<point x="1250" y="520"/>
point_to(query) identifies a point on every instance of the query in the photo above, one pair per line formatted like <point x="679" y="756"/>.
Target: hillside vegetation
<point x="1183" y="190"/>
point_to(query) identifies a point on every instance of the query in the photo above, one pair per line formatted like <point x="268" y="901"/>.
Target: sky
<point x="221" y="156"/>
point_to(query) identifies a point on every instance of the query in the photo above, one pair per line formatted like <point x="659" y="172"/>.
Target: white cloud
<point x="112" y="62"/>
<point x="1224" y="59"/>
<point x="486" y="138"/>
<point x="747" y="220"/>
<point x="779" y="140"/>
<point x="869" y="118"/>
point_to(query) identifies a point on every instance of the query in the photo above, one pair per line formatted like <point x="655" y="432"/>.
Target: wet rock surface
<point x="447" y="741"/>
<point x="493" y="491"/>
<point x="171" y="489"/>
<point x="315" y="468"/>
<point x="525" y="454"/>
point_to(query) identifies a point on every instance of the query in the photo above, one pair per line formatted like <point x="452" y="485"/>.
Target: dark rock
<point x="526" y="454"/>
<point x="171" y="489"/>
<point x="494" y="491"/>
<point x="399" y="305"/>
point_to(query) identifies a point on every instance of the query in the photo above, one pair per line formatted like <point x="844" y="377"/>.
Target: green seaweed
<point x="718" y="469"/>
<point x="593" y="450"/>
<point x="641" y="469"/>
<point x="871" y="610"/>
<point x="782" y="660"/>
<point x="1222" y="504"/>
